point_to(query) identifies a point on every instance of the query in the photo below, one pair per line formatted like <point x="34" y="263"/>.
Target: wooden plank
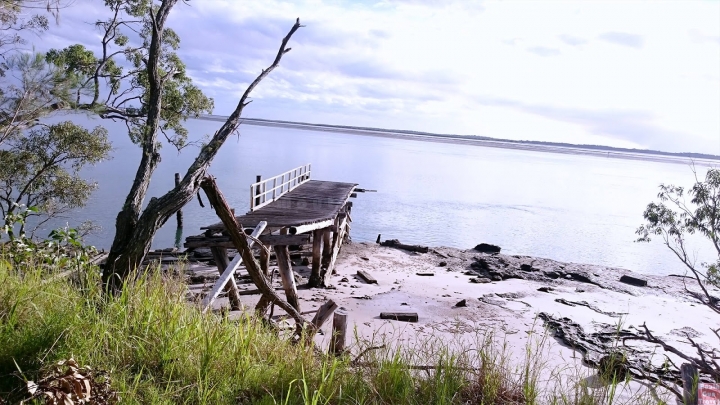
<point x="229" y="272"/>
<point x="400" y="316"/>
<point x="222" y="262"/>
<point x="425" y="273"/>
<point x="327" y="248"/>
<point x="285" y="240"/>
<point x="366" y="277"/>
<point x="286" y="275"/>
<point x="310" y="227"/>
<point x="339" y="332"/>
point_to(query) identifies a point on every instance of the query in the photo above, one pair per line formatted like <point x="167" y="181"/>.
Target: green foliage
<point x="673" y="219"/>
<point x="13" y="21"/>
<point x="128" y="90"/>
<point x="62" y="250"/>
<point x="41" y="168"/>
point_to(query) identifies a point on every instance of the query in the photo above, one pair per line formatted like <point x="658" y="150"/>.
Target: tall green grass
<point x="159" y="349"/>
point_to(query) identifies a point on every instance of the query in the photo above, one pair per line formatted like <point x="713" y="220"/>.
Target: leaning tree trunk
<point x="135" y="229"/>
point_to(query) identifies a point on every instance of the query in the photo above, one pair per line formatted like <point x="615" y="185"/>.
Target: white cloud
<point x="637" y="73"/>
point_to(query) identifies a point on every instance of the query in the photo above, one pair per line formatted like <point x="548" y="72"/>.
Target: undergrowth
<point x="159" y="349"/>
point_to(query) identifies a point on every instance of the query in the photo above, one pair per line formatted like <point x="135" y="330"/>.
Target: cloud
<point x="572" y="40"/>
<point x="544" y="51"/>
<point x="623" y="38"/>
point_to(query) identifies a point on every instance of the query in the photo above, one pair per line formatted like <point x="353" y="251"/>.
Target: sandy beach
<point x="462" y="296"/>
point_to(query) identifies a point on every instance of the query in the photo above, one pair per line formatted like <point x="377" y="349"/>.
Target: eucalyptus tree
<point x="152" y="94"/>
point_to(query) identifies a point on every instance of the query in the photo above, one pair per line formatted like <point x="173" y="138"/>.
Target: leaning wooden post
<point x="339" y="331"/>
<point x="690" y="378"/>
<point x="179" y="213"/>
<point x="286" y="275"/>
<point x="323" y="313"/>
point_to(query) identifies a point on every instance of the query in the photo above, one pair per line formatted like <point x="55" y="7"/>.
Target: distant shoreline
<point x="536" y="146"/>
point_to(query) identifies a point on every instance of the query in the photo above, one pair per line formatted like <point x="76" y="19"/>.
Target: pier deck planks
<point x="311" y="202"/>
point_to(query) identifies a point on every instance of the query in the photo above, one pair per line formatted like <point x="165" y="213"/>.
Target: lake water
<point x="567" y="207"/>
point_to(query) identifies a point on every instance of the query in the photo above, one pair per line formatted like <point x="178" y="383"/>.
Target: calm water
<point x="566" y="207"/>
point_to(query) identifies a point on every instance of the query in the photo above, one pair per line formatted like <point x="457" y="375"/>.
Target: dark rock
<point x="527" y="267"/>
<point x="344" y="280"/>
<point x="487" y="248"/>
<point x="495" y="277"/>
<point x="510" y="296"/>
<point x="305" y="261"/>
<point x="480" y="280"/>
<point x="552" y="274"/>
<point x="462" y="303"/>
<point x="633" y="281"/>
<point x="442" y="264"/>
<point x="480" y="264"/>
<point x="546" y="289"/>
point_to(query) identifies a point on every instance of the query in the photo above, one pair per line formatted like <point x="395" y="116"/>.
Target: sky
<point x="617" y="73"/>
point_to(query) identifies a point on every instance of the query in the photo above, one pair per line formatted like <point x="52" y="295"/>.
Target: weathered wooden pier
<point x="287" y="212"/>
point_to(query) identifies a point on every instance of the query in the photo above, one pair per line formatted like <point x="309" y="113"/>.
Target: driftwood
<point x="366" y="277"/>
<point x="633" y="281"/>
<point x="411" y="248"/>
<point x="238" y="237"/>
<point x="400" y="316"/>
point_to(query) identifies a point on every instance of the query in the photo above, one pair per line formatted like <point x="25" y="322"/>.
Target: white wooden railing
<point x="266" y="191"/>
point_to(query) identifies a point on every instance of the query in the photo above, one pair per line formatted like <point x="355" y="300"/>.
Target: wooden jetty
<point x="288" y="210"/>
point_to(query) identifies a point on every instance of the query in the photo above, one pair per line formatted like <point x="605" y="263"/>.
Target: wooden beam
<point x="222" y="262"/>
<point x="225" y="242"/>
<point x="294" y="230"/>
<point x="327" y="248"/>
<point x="286" y="275"/>
<point x="229" y="272"/>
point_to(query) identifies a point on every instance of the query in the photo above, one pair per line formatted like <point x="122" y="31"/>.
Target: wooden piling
<point x="286" y="275"/>
<point x="690" y="380"/>
<point x="339" y="331"/>
<point x="179" y="213"/>
<point x="258" y="179"/>
<point x="315" y="279"/>
<point x="222" y="262"/>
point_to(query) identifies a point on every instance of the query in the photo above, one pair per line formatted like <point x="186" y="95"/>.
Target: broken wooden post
<point x="222" y="262"/>
<point x="286" y="275"/>
<point x="633" y="281"/>
<point x="690" y="380"/>
<point x="323" y="313"/>
<point x="339" y="330"/>
<point x="179" y="213"/>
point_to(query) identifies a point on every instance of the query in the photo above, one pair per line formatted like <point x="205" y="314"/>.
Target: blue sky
<point x="618" y="73"/>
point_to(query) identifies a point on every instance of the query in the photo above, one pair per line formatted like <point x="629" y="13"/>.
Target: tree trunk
<point x="135" y="229"/>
